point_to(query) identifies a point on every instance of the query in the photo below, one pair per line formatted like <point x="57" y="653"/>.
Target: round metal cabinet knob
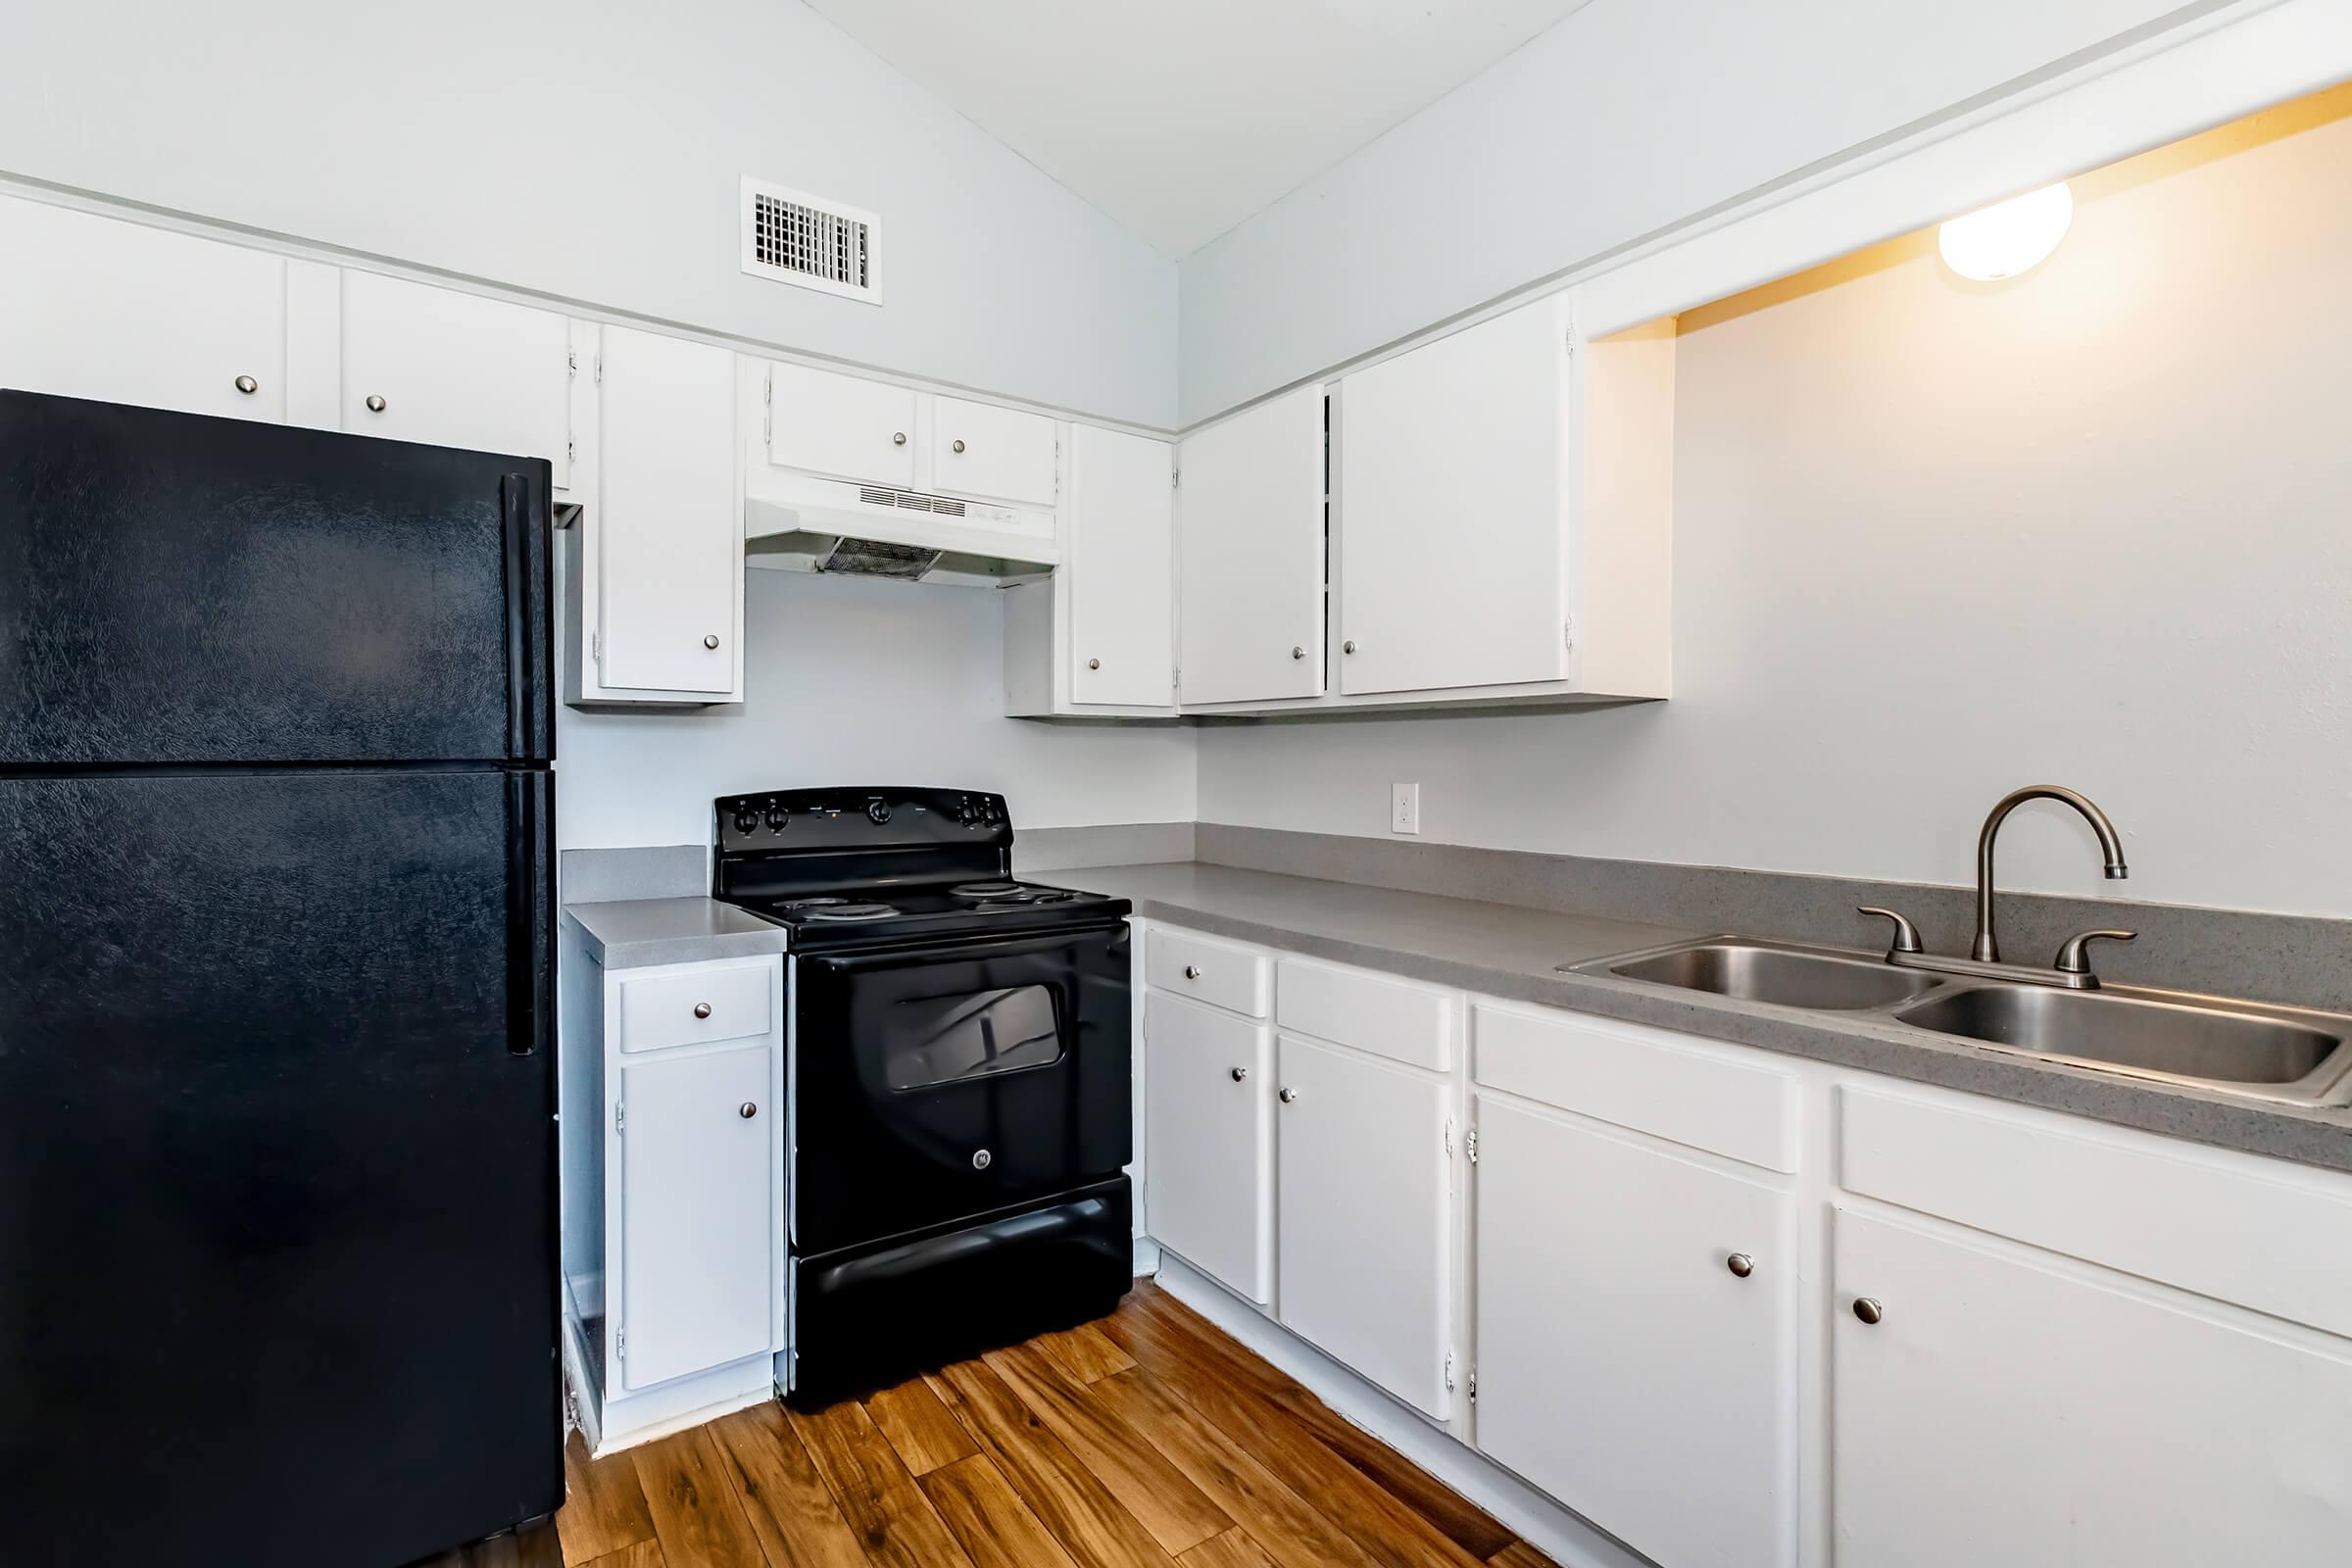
<point x="712" y="641"/>
<point x="1240" y="1073"/>
<point x="1348" y="647"/>
<point x="898" y="438"/>
<point x="1297" y="652"/>
<point x="747" y="1111"/>
<point x="1094" y="663"/>
<point x="1868" y="1309"/>
<point x="702" y="1010"/>
<point x="248" y="385"/>
<point x="1286" y="1095"/>
<point x="958" y="447"/>
<point x="1740" y="1264"/>
<point x="376" y="403"/>
<point x="1192" y="971"/>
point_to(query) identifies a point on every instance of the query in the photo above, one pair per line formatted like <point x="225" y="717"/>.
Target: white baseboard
<point x="1564" y="1536"/>
<point x="1147" y="1258"/>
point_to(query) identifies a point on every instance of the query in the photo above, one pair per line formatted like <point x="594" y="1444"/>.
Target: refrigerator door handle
<point x="522" y="508"/>
<point x="530" y="907"/>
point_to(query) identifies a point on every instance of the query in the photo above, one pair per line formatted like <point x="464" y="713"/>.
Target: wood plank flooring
<point x="1147" y="1439"/>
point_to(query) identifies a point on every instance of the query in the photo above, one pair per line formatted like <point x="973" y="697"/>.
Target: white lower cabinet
<point x="1209" y="1129"/>
<point x="1625" y="1365"/>
<point x="696" y="1225"/>
<point x="1364" y="1215"/>
<point x="2013" y="1408"/>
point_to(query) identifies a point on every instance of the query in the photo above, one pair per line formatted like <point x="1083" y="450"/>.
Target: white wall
<point x="1934" y="540"/>
<point x="855" y="682"/>
<point x="1629" y="117"/>
<point x="592" y="149"/>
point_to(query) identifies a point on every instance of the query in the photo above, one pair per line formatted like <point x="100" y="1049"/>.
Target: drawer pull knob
<point x="1297" y="649"/>
<point x="1094" y="663"/>
<point x="702" y="1010"/>
<point x="710" y="638"/>
<point x="248" y="385"/>
<point x="898" y="438"/>
<point x="960" y="446"/>
<point x="1240" y="1073"/>
<point x="1192" y="971"/>
<point x="1288" y="1094"/>
<point x="1868" y="1309"/>
<point x="376" y="403"/>
<point x="1740" y="1264"/>
<point x="747" y="1111"/>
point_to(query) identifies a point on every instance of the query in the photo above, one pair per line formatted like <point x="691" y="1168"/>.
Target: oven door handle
<point x="913" y="956"/>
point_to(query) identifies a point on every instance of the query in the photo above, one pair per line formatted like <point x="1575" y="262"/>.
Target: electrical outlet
<point x="1404" y="807"/>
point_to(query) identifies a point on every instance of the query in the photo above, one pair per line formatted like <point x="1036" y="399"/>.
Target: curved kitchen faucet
<point x="2072" y="967"/>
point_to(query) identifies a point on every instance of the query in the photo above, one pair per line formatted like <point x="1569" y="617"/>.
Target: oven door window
<point x="947" y="1040"/>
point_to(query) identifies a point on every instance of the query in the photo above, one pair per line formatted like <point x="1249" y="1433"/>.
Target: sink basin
<point x="1764" y="972"/>
<point x="2275" y="1053"/>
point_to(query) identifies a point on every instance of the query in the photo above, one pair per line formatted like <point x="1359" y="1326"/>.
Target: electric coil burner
<point x="962" y="1093"/>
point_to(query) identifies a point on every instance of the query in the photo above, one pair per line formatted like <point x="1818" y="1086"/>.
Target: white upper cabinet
<point x="1452" y="509"/>
<point x="2012" y="1408"/>
<point x="117" y="311"/>
<point x="1121" y="569"/>
<point x="1250" y="566"/>
<point x="992" y="454"/>
<point x="655" y="565"/>
<point x="841" y="427"/>
<point x="1363" y="1215"/>
<point x="1503" y="511"/>
<point x="453" y="370"/>
<point x="1652" y="1294"/>
<point x="698" y="1231"/>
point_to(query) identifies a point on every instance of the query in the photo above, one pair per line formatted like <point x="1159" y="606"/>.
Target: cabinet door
<point x="119" y="313"/>
<point x="698" y="1231"/>
<point x="670" y="531"/>
<point x="2002" y="1411"/>
<point x="454" y="369"/>
<point x="1364" y="1215"/>
<point x="1250" y="567"/>
<point x="1208" y="1189"/>
<point x="1451" y="510"/>
<point x="1622" y="1366"/>
<point x="840" y="427"/>
<point x="1121" y="569"/>
<point x="992" y="454"/>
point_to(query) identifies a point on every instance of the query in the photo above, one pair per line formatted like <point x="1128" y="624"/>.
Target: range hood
<point x="793" y="522"/>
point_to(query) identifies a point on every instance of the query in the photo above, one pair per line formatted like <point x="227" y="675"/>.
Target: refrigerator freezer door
<point x="277" y="1270"/>
<point x="177" y="588"/>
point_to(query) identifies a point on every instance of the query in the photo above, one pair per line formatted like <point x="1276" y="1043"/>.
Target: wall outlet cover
<point x="1404" y="807"/>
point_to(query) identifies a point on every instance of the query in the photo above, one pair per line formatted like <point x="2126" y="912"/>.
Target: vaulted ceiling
<point x="1180" y="117"/>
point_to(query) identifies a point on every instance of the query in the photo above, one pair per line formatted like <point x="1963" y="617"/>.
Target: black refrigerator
<point x="278" y="1156"/>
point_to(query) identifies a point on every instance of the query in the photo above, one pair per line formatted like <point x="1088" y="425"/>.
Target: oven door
<point x="941" y="1082"/>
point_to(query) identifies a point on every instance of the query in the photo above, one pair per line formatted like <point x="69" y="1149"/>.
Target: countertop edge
<point x="642" y="933"/>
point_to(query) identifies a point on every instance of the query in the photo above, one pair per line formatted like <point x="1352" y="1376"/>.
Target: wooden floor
<point x="1148" y="1438"/>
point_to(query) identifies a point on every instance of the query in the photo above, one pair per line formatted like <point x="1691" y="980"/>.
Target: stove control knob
<point x="878" y="811"/>
<point x="990" y="809"/>
<point x="746" y="819"/>
<point x="778" y="818"/>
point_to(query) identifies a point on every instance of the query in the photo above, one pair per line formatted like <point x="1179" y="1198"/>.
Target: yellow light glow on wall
<point x="2008" y="237"/>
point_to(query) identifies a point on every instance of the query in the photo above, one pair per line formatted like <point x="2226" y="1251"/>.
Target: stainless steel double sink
<point x="2289" y="1055"/>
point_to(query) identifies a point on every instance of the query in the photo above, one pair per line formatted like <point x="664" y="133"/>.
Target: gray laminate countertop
<point x="633" y="933"/>
<point x="1501" y="949"/>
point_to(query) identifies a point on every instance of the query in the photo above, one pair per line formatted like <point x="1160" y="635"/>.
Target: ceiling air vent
<point x="793" y="237"/>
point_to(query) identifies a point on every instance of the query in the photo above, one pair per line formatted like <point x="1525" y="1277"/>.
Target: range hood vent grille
<point x="793" y="237"/>
<point x="910" y="501"/>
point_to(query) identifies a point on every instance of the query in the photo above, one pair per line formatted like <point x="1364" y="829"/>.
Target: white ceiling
<point x="1180" y="117"/>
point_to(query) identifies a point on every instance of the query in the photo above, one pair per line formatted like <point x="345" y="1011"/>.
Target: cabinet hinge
<point x="1474" y="1385"/>
<point x="1175" y="478"/>
<point x="600" y="369"/>
<point x="621" y="1117"/>
<point x="572" y="452"/>
<point x="1470" y="1144"/>
<point x="572" y="361"/>
<point x="1568" y="635"/>
<point x="1449" y="1371"/>
<point x="595" y="645"/>
<point x="621" y="1345"/>
<point x="1449" y="1156"/>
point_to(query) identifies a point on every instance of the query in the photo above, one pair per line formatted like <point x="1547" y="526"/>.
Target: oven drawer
<point x="697" y="1005"/>
<point x="1223" y="974"/>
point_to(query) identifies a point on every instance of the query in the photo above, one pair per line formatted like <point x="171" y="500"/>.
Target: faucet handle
<point x="1906" y="935"/>
<point x="2074" y="953"/>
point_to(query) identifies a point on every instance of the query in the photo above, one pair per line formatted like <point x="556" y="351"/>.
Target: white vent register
<point x="792" y="237"/>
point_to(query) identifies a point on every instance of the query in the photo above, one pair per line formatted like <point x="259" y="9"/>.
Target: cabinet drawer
<point x="694" y="1007"/>
<point x="1684" y="1091"/>
<point x="1394" y="1018"/>
<point x="992" y="453"/>
<point x="1230" y="976"/>
<point x="2234" y="1227"/>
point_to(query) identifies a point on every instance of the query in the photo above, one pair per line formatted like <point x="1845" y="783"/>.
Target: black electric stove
<point x="961" y="1103"/>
